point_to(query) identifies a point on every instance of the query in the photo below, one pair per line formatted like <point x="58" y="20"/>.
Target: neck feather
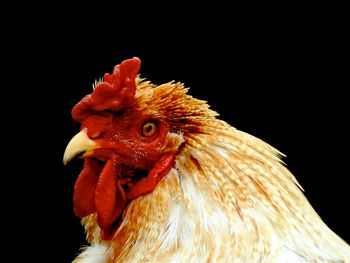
<point x="229" y="197"/>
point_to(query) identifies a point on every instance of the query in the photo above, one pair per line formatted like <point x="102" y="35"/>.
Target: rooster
<point x="164" y="180"/>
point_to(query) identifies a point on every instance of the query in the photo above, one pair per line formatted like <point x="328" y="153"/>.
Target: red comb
<point x="115" y="93"/>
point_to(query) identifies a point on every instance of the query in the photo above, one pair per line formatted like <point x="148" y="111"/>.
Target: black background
<point x="280" y="78"/>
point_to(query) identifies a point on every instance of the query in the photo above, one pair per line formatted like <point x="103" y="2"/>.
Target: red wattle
<point x="98" y="190"/>
<point x="84" y="189"/>
<point x="110" y="200"/>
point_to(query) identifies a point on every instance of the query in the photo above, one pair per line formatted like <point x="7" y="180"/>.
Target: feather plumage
<point x="229" y="198"/>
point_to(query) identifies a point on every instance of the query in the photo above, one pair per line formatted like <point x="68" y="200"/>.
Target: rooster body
<point x="227" y="196"/>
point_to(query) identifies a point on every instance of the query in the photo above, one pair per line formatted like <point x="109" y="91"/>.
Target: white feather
<point x="92" y="254"/>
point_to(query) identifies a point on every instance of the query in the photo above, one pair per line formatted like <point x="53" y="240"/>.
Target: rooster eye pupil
<point x="148" y="129"/>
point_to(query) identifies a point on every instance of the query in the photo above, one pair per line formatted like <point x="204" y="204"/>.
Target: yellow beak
<point x="78" y="144"/>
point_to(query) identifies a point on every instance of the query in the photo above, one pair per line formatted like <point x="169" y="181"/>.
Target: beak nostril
<point x="96" y="134"/>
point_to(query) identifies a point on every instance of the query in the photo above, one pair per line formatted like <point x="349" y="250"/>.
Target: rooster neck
<point x="229" y="198"/>
<point x="175" y="223"/>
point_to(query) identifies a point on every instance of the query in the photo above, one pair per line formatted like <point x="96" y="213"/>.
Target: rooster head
<point x="127" y="149"/>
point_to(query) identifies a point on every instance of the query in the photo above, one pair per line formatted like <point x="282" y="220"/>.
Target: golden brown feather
<point x="229" y="198"/>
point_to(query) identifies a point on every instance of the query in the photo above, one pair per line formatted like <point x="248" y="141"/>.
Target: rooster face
<point x="136" y="140"/>
<point x="126" y="150"/>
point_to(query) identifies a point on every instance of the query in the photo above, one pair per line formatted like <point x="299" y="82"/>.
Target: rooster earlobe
<point x="148" y="183"/>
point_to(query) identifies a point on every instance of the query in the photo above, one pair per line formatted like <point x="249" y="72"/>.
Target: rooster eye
<point x="148" y="129"/>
